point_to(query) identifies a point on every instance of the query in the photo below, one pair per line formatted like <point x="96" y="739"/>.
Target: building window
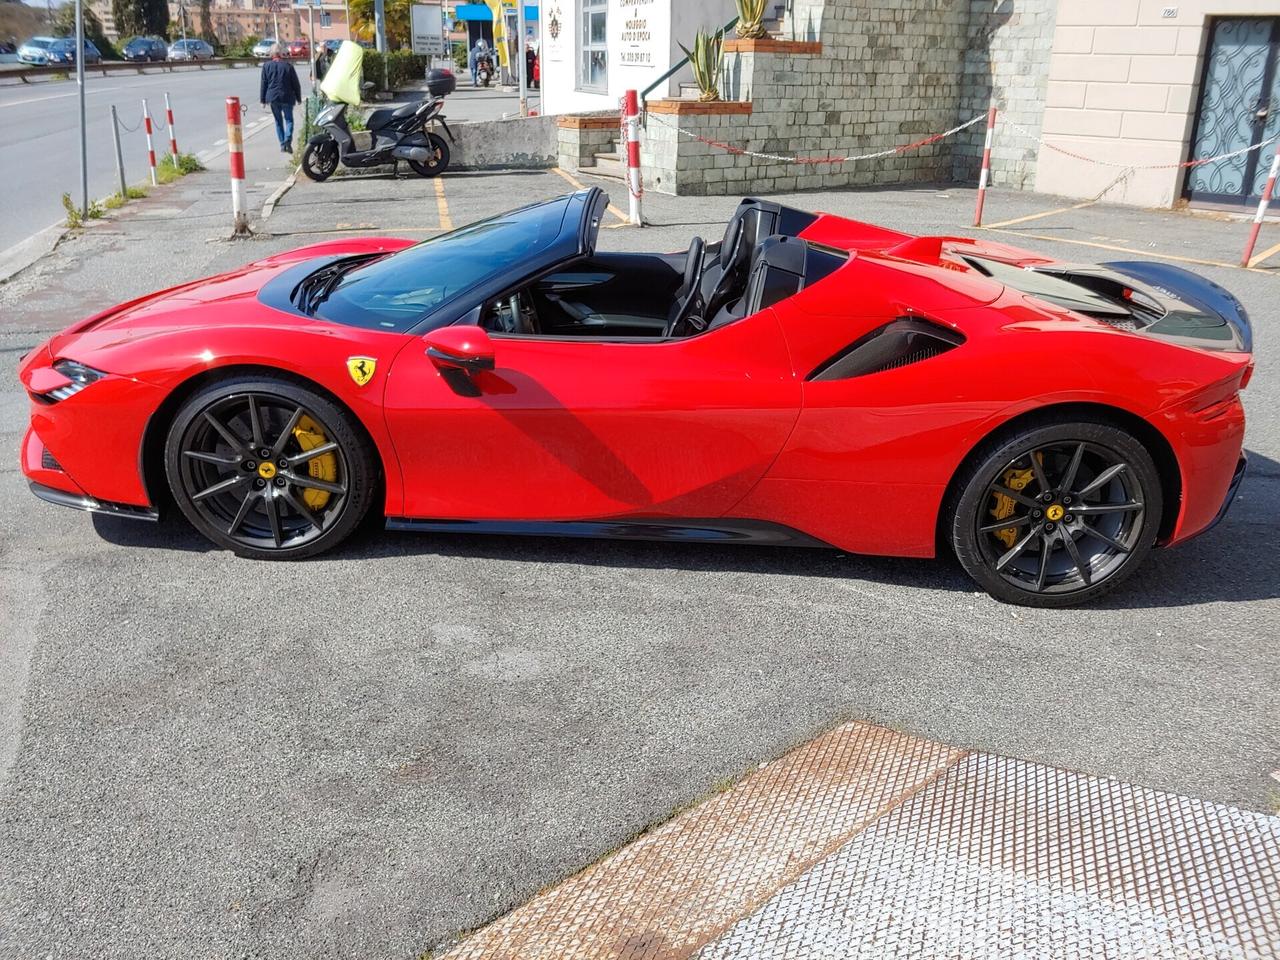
<point x="593" y="63"/>
<point x="325" y="19"/>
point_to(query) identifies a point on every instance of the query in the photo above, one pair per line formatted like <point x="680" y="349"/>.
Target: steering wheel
<point x="690" y="290"/>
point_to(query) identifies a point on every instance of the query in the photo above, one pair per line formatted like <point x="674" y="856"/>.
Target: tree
<point x="155" y="16"/>
<point x="130" y="17"/>
<point x="397" y="11"/>
<point x="206" y="21"/>
<point x="64" y="25"/>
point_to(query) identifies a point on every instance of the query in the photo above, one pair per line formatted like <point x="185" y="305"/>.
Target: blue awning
<point x="479" y="11"/>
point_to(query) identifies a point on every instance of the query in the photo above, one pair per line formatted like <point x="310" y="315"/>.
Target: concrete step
<point x="609" y="165"/>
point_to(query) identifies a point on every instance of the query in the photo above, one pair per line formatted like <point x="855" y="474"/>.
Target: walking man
<point x="281" y="90"/>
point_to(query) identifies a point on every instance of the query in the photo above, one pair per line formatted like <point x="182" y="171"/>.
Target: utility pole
<point x="522" y="59"/>
<point x="84" y="139"/>
<point x="380" y="24"/>
<point x="182" y="19"/>
<point x="311" y="44"/>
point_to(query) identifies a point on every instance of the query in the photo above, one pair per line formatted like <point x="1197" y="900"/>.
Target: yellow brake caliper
<point x="324" y="467"/>
<point x="1015" y="480"/>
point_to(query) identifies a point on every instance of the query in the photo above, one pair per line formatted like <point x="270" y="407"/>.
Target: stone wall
<point x="856" y="76"/>
<point x="1006" y="61"/>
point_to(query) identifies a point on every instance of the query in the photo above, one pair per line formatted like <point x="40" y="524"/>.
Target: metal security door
<point x="1239" y="106"/>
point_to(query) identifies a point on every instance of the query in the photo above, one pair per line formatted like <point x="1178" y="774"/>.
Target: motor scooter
<point x="393" y="134"/>
<point x="484" y="68"/>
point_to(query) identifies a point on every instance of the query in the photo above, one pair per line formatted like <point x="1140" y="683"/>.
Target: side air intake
<point x="896" y="344"/>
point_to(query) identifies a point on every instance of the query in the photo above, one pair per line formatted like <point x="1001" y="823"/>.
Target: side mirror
<point x="461" y="347"/>
<point x="367" y="85"/>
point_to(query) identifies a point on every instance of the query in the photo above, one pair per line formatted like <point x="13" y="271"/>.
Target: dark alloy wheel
<point x="268" y="468"/>
<point x="320" y="159"/>
<point x="439" y="161"/>
<point x="1056" y="515"/>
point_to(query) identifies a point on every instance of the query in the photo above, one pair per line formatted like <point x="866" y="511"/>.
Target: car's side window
<point x="605" y="297"/>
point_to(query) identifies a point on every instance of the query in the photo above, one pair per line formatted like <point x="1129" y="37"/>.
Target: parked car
<point x="190" y="49"/>
<point x="297" y="50"/>
<point x="64" y="51"/>
<point x="262" y="49"/>
<point x="144" y="50"/>
<point x="36" y="51"/>
<point x="332" y="45"/>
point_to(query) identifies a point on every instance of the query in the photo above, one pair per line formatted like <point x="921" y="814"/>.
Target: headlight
<point x="79" y="375"/>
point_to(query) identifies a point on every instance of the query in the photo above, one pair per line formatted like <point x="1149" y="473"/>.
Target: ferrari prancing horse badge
<point x="361" y="369"/>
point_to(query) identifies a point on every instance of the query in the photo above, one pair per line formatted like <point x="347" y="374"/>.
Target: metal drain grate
<point x="1004" y="858"/>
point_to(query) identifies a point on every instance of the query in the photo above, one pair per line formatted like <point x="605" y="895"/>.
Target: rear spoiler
<point x="1193" y="290"/>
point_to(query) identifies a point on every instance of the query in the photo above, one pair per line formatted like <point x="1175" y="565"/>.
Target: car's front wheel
<point x="1056" y="514"/>
<point x="268" y="468"/>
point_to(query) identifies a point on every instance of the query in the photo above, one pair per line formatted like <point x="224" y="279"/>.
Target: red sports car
<point x="806" y="380"/>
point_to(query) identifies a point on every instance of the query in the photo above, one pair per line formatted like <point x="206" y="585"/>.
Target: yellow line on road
<point x="579" y="185"/>
<point x="1037" y="216"/>
<point x="1142" y="253"/>
<point x="1270" y="252"/>
<point x="442" y="206"/>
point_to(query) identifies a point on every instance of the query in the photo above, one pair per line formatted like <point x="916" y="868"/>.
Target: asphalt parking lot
<point x="364" y="754"/>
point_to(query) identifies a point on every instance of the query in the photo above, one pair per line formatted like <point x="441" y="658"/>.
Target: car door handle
<point x="469" y="364"/>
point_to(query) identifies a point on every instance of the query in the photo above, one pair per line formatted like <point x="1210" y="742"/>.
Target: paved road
<point x="41" y="156"/>
<point x="41" y="159"/>
<point x="361" y="755"/>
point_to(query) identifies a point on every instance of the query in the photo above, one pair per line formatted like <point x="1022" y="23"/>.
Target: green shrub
<point x="242" y="48"/>
<point x="167" y="171"/>
<point x="394" y="70"/>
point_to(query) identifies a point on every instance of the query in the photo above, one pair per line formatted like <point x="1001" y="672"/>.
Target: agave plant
<point x="751" y="19"/>
<point x="705" y="59"/>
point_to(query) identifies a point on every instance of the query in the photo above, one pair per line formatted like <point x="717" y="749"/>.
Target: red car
<point x="808" y="380"/>
<point x="297" y="49"/>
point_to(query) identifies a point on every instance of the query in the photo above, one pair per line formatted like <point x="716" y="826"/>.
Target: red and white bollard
<point x="173" y="138"/>
<point x="1262" y="209"/>
<point x="151" y="150"/>
<point x="631" y="124"/>
<point x="235" y="154"/>
<point x="986" y="166"/>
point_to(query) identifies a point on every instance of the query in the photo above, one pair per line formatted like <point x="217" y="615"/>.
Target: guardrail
<point x="44" y="74"/>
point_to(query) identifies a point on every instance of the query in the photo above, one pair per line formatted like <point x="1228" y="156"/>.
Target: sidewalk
<point x="869" y="843"/>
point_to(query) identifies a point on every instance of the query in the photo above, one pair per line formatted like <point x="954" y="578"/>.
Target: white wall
<point x="642" y="45"/>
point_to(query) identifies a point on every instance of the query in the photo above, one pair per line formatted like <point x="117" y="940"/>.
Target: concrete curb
<point x="26" y="252"/>
<point x="269" y="205"/>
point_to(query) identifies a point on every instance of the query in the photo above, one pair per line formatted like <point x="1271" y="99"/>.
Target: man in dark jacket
<point x="280" y="89"/>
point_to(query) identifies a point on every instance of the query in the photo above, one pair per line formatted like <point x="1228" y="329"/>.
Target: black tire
<point x="320" y="159"/>
<point x="433" y="168"/>
<point x="1082" y="501"/>
<point x="289" y="504"/>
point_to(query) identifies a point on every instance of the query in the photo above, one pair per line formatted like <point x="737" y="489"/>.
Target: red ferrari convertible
<point x="806" y="380"/>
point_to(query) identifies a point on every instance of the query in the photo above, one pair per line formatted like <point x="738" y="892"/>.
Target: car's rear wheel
<point x="1056" y="515"/>
<point x="268" y="468"/>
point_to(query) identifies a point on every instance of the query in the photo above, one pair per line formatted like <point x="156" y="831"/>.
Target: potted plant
<point x="751" y="19"/>
<point x="705" y="59"/>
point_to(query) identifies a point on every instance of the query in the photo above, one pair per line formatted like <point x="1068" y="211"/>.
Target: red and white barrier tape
<point x="812" y="161"/>
<point x="1197" y="162"/>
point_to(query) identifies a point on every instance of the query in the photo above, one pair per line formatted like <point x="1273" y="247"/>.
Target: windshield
<point x="395" y="292"/>
<point x="40" y="44"/>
